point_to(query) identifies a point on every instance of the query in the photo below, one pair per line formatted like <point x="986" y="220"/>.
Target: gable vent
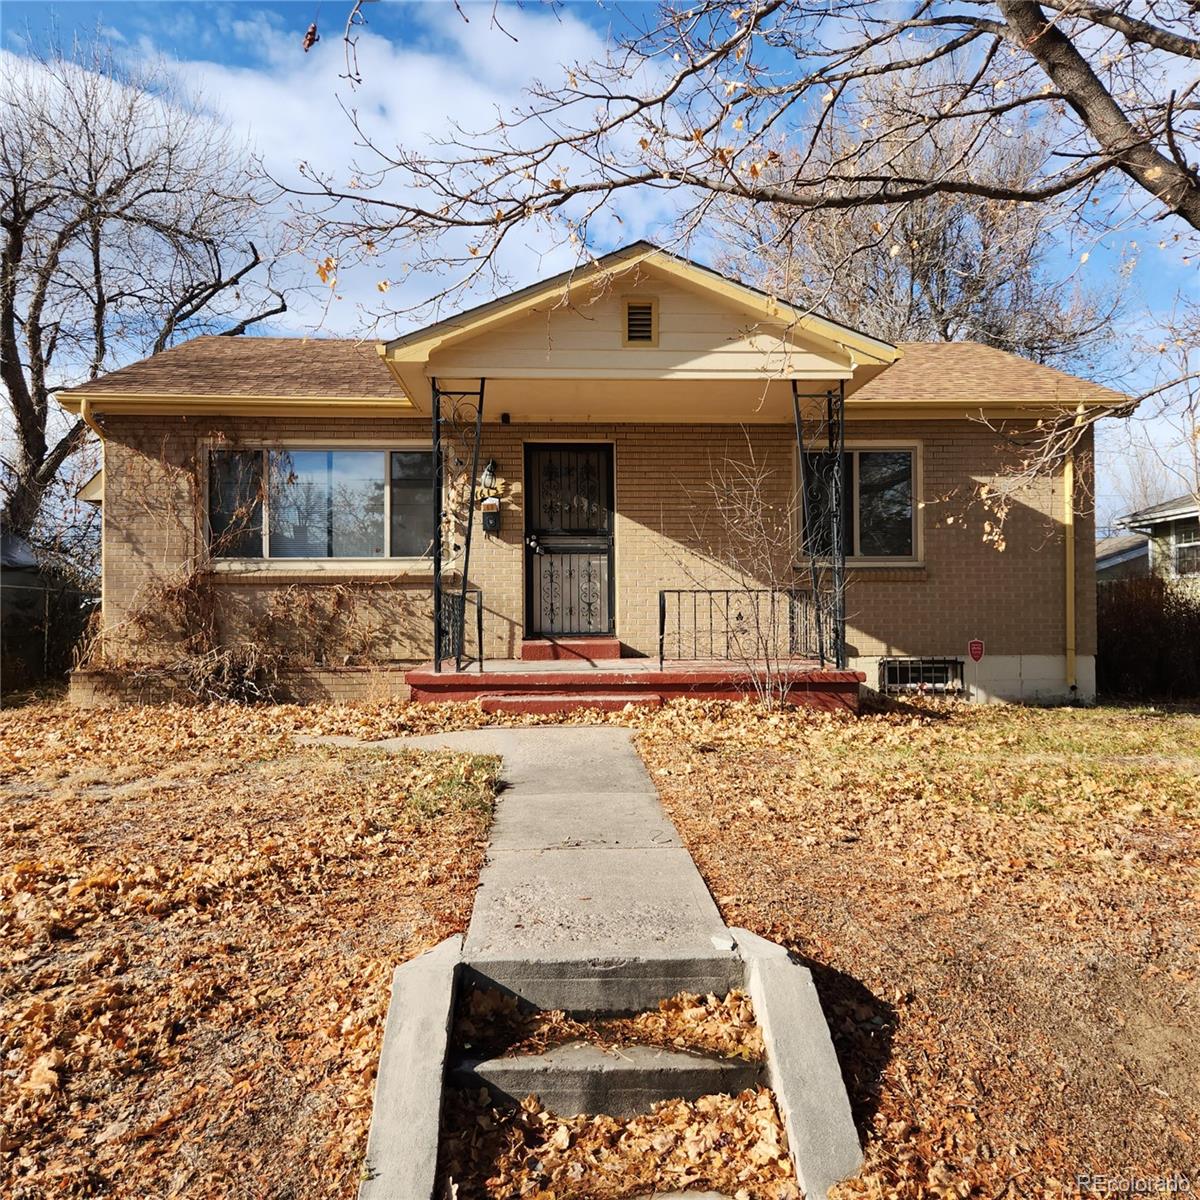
<point x="641" y="323"/>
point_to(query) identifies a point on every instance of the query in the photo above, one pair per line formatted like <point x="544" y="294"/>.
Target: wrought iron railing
<point x="741" y="625"/>
<point x="453" y="624"/>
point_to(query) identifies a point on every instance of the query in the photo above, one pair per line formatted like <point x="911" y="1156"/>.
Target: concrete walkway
<point x="584" y="866"/>
<point x="588" y="902"/>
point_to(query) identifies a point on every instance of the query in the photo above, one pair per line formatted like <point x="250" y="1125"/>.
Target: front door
<point x="569" y="540"/>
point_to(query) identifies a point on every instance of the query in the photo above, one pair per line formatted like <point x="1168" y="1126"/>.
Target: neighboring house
<point x="294" y="485"/>
<point x="1173" y="529"/>
<point x="1122" y="556"/>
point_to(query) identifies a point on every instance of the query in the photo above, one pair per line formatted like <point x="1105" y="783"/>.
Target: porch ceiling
<point x="640" y="401"/>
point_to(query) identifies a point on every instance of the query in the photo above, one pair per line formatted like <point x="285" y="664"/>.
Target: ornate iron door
<point x="569" y="539"/>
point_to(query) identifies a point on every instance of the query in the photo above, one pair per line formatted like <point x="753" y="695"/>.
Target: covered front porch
<point x="580" y="430"/>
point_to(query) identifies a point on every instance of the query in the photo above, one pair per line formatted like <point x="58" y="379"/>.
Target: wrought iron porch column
<point x="830" y="476"/>
<point x="804" y="527"/>
<point x="466" y="564"/>
<point x="837" y="446"/>
<point x="437" y="524"/>
<point x="458" y="616"/>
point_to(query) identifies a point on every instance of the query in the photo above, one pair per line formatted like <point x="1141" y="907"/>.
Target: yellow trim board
<point x="139" y="402"/>
<point x="93" y="490"/>
<point x="899" y="410"/>
<point x="419" y="345"/>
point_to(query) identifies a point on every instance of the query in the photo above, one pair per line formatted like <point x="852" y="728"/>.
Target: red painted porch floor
<point x="515" y="685"/>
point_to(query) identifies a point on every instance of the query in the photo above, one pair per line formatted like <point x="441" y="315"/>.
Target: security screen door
<point x="569" y="539"/>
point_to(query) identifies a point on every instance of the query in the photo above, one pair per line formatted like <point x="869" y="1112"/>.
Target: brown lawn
<point x="1001" y="908"/>
<point x="199" y="912"/>
<point x="198" y="922"/>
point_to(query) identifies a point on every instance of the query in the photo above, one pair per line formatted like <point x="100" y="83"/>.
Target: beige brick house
<point x="612" y="434"/>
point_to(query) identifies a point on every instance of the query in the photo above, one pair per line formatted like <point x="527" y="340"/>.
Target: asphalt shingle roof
<point x="930" y="372"/>
<point x="333" y="368"/>
<point x="1181" y="506"/>
<point x="1119" y="543"/>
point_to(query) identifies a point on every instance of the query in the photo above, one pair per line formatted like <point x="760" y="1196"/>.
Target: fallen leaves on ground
<point x="198" y="921"/>
<point x="491" y="1022"/>
<point x="998" y="905"/>
<point x="999" y="909"/>
<point x="732" y="1144"/>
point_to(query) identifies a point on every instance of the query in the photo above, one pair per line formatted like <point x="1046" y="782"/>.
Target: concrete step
<point x="579" y="1078"/>
<point x="566" y="702"/>
<point x="565" y="649"/>
<point x="600" y="984"/>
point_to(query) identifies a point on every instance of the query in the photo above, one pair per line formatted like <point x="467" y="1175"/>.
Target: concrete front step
<point x="583" y="986"/>
<point x="565" y="649"/>
<point x="566" y="702"/>
<point x="579" y="1078"/>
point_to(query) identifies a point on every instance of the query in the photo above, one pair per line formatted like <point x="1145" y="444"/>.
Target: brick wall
<point x="664" y="532"/>
<point x="153" y="523"/>
<point x="966" y="587"/>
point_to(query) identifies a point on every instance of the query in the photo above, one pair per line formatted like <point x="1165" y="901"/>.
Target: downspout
<point x="1072" y="680"/>
<point x="85" y="412"/>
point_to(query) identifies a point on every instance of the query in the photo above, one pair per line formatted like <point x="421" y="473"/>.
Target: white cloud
<point x="450" y="74"/>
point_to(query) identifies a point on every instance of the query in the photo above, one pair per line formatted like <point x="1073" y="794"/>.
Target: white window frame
<point x="384" y="563"/>
<point x="1180" y="539"/>
<point x="917" y="558"/>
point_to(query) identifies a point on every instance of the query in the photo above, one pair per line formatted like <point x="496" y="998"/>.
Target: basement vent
<point x="641" y="323"/>
<point x="921" y="676"/>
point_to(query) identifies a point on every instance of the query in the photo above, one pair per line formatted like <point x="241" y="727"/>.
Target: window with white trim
<point x="878" y="503"/>
<point x="1187" y="547"/>
<point x="320" y="503"/>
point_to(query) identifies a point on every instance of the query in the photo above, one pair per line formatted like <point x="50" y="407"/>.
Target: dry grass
<point x="199" y="913"/>
<point x="198" y="922"/>
<point x="999" y="906"/>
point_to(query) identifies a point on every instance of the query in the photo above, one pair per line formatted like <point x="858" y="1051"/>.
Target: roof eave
<point x="187" y="404"/>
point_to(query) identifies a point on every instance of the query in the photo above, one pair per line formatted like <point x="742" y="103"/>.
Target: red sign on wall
<point x="975" y="649"/>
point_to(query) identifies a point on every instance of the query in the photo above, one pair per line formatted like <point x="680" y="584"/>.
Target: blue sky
<point x="422" y="62"/>
<point x="424" y="65"/>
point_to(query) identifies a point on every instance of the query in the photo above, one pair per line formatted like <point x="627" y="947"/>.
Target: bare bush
<point x="1148" y="639"/>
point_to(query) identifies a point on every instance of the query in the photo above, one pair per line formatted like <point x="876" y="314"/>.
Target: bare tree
<point x="1172" y="411"/>
<point x="947" y="267"/>
<point x="125" y="213"/>
<point x="1141" y="478"/>
<point x="745" y="531"/>
<point x="774" y="102"/>
<point x="705" y="100"/>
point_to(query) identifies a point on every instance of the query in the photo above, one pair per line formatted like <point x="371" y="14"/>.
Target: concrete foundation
<point x="1013" y="678"/>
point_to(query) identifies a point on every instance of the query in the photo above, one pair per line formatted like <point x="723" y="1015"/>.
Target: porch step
<point x="562" y="702"/>
<point x="579" y="1078"/>
<point x="564" y="649"/>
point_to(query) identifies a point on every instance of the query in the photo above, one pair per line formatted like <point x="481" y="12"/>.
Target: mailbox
<point x="490" y="508"/>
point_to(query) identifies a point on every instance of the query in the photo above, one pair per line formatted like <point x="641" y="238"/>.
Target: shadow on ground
<point x="862" y="1027"/>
